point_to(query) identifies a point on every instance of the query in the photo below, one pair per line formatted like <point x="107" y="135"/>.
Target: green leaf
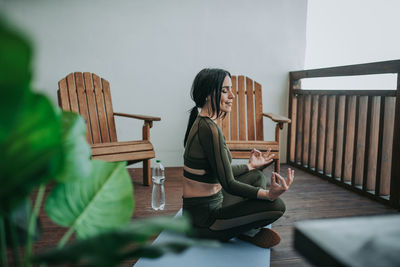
<point x="19" y="219"/>
<point x="29" y="128"/>
<point x="110" y="248"/>
<point x="30" y="152"/>
<point x="15" y="74"/>
<point x="142" y="230"/>
<point x="93" y="205"/>
<point x="77" y="150"/>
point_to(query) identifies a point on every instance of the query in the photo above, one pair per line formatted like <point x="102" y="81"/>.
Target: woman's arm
<point x="214" y="147"/>
<point x="239" y="169"/>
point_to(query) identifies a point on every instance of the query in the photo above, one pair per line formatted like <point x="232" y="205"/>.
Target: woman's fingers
<point x="279" y="184"/>
<point x="268" y="156"/>
<point x="268" y="161"/>
<point x="290" y="177"/>
<point x="281" y="181"/>
<point x="273" y="179"/>
<point x="261" y="160"/>
<point x="255" y="152"/>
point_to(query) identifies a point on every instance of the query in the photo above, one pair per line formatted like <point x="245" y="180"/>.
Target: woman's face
<point x="227" y="95"/>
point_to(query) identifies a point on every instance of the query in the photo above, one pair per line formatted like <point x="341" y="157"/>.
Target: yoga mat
<point x="234" y="253"/>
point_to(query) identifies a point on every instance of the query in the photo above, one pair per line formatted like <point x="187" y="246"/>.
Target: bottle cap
<point x="158" y="161"/>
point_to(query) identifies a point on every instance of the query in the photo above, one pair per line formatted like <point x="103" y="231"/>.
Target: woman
<point x="225" y="200"/>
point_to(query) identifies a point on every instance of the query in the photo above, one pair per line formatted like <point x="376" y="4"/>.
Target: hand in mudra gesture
<point x="279" y="185"/>
<point x="260" y="160"/>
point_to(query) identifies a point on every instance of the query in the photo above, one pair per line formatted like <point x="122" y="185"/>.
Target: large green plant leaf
<point x="15" y="75"/>
<point x="30" y="144"/>
<point x="77" y="150"/>
<point x="31" y="151"/>
<point x="128" y="242"/>
<point x="90" y="206"/>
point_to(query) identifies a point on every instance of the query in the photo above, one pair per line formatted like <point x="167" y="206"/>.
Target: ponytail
<point x="193" y="115"/>
<point x="207" y="83"/>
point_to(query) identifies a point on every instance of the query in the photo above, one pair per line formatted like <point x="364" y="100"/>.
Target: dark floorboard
<point x="310" y="197"/>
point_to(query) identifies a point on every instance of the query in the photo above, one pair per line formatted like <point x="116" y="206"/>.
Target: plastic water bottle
<point x="158" y="195"/>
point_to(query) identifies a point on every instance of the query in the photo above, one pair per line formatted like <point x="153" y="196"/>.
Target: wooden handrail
<point x="277" y="118"/>
<point x="392" y="66"/>
<point x="137" y="116"/>
<point x="346" y="92"/>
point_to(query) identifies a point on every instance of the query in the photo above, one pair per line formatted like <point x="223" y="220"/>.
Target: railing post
<point x="293" y="84"/>
<point x="395" y="173"/>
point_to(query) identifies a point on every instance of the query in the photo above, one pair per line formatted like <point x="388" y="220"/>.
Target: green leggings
<point x="223" y="216"/>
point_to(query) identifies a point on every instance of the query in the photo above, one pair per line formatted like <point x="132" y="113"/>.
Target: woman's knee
<point x="259" y="178"/>
<point x="279" y="205"/>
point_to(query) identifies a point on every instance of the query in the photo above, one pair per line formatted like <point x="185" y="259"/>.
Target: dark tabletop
<point x="357" y="241"/>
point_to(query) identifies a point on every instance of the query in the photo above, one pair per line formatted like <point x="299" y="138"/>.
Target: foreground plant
<point x="40" y="144"/>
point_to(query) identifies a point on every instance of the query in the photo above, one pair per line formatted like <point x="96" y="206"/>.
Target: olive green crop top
<point x="206" y="150"/>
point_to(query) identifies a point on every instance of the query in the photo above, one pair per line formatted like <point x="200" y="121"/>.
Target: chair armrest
<point x="277" y="118"/>
<point x="136" y="116"/>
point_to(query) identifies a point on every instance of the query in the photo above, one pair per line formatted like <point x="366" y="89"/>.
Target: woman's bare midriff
<point x="192" y="188"/>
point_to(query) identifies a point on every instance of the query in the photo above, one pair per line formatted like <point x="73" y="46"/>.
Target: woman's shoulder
<point x="206" y="122"/>
<point x="208" y="125"/>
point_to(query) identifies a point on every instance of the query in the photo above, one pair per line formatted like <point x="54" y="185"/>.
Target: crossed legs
<point x="238" y="215"/>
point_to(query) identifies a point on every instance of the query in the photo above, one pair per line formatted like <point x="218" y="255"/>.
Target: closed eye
<point x="225" y="89"/>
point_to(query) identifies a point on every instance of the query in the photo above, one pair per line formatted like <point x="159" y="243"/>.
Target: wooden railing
<point x="349" y="137"/>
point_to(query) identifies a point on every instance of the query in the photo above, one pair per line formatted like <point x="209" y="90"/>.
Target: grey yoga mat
<point x="234" y="253"/>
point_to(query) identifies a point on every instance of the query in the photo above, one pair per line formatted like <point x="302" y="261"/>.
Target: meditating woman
<point x="225" y="200"/>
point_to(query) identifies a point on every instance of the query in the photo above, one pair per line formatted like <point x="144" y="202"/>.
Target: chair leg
<point x="277" y="166"/>
<point x="146" y="172"/>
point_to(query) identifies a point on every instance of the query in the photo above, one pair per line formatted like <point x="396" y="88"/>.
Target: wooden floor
<point x="310" y="197"/>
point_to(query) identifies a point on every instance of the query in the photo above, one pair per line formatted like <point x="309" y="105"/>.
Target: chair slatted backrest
<point x="89" y="95"/>
<point x="245" y="121"/>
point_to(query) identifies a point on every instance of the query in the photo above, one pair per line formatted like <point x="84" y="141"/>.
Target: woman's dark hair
<point x="208" y="82"/>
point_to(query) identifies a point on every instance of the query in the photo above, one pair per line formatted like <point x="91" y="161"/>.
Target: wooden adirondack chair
<point x="243" y="127"/>
<point x="88" y="94"/>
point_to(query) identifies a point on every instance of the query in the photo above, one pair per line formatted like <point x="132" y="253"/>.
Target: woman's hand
<point x="259" y="160"/>
<point x="279" y="185"/>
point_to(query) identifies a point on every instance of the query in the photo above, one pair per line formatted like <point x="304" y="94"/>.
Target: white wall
<point x="151" y="50"/>
<point x="346" y="32"/>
